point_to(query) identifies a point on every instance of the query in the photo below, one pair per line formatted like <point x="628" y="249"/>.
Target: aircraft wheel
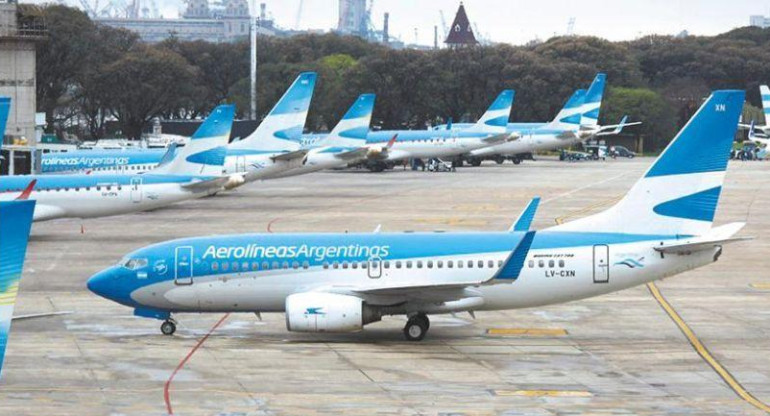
<point x="416" y="327"/>
<point x="168" y="328"/>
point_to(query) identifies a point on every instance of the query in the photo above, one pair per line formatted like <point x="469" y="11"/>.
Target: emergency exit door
<point x="601" y="263"/>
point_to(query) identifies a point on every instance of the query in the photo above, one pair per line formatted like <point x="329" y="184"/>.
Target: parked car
<point x="620" y="151"/>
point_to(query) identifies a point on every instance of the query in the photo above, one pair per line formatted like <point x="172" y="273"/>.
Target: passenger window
<point x="408" y="264"/>
<point x="245" y="266"/>
<point x="490" y="263"/>
<point x="326" y="265"/>
<point x="551" y="263"/>
<point x="499" y="263"/>
<point x="336" y="265"/>
<point x="305" y="265"/>
<point x="398" y="264"/>
<point x="265" y="265"/>
<point x="108" y="187"/>
<point x="449" y="264"/>
<point x="225" y="267"/>
<point x="440" y="264"/>
<point x="276" y="265"/>
<point x="460" y="264"/>
<point x="344" y="265"/>
<point x="430" y="264"/>
<point x="387" y="264"/>
<point x="255" y="266"/>
<point x="480" y="263"/>
<point x="364" y="265"/>
<point x="98" y="188"/>
<point x="561" y="263"/>
<point x="531" y="264"/>
<point x="470" y="264"/>
<point x="285" y="265"/>
<point x="354" y="264"/>
<point x="540" y="263"/>
<point x="419" y="264"/>
<point x="295" y="265"/>
<point x="235" y="266"/>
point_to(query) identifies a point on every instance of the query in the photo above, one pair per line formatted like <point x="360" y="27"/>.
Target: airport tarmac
<point x="612" y="355"/>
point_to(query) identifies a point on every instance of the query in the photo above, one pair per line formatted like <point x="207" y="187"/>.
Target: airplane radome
<point x="342" y="282"/>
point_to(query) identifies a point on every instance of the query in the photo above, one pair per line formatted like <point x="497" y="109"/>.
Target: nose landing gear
<point x="416" y="327"/>
<point x="168" y="327"/>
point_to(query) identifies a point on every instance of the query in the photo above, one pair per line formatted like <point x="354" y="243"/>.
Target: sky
<point x="519" y="21"/>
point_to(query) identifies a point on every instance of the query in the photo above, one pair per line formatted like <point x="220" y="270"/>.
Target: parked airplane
<point x="341" y="282"/>
<point x="764" y="91"/>
<point x="489" y="130"/>
<point x="758" y="137"/>
<point x="15" y="223"/>
<point x="195" y="171"/>
<point x="576" y="122"/>
<point x="345" y="144"/>
<point x="273" y="148"/>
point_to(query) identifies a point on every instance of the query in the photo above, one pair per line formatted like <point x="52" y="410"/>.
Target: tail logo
<point x="721" y="108"/>
<point x="631" y="263"/>
<point x="314" y="311"/>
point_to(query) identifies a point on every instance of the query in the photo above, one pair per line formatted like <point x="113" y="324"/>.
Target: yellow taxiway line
<point x="761" y="286"/>
<point x="704" y="352"/>
<point x="543" y="393"/>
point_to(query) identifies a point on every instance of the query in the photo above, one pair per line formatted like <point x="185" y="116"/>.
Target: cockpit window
<point x="134" y="264"/>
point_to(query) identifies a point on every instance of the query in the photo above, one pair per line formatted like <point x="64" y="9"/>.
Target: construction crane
<point x="298" y="18"/>
<point x="443" y="23"/>
<point x="571" y="26"/>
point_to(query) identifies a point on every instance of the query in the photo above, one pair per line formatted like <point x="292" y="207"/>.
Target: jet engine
<point x="327" y="312"/>
<point x="234" y="181"/>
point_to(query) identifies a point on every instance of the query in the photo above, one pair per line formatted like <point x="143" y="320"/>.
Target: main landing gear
<point x="416" y="327"/>
<point x="168" y="327"/>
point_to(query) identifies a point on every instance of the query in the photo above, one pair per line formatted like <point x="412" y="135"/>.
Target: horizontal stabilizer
<point x="718" y="236"/>
<point x="355" y="154"/>
<point x="199" y="186"/>
<point x="498" y="138"/>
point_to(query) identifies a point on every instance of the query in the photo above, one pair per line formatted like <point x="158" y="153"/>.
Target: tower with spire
<point x="460" y="33"/>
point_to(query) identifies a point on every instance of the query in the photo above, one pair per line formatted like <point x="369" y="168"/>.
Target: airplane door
<point x="601" y="263"/>
<point x="375" y="267"/>
<point x="183" y="262"/>
<point x="240" y="164"/>
<point x="136" y="190"/>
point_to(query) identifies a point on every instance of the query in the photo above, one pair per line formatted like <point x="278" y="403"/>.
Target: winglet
<point x="392" y="141"/>
<point x="27" y="191"/>
<point x="515" y="262"/>
<point x="525" y="218"/>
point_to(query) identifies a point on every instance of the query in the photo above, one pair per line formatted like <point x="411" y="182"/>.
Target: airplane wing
<point x="500" y="138"/>
<point x="297" y="154"/>
<point x="355" y="154"/>
<point x="439" y="292"/>
<point x="208" y="184"/>
<point x="717" y="237"/>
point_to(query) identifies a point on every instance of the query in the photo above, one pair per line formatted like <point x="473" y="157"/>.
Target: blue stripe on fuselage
<point x="18" y="183"/>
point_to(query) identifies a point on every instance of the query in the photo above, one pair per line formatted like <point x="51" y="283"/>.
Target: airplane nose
<point x="103" y="283"/>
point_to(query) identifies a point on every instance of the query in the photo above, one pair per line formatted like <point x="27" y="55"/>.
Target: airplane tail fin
<point x="352" y="129"/>
<point x="590" y="109"/>
<point x="206" y="152"/>
<point x="5" y="108"/>
<point x="15" y="223"/>
<point x="282" y="128"/>
<point x="169" y="155"/>
<point x="495" y="119"/>
<point x="764" y="90"/>
<point x="678" y="194"/>
<point x="569" y="115"/>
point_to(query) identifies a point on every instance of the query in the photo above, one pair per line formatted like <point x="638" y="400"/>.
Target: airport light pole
<point x="253" y="30"/>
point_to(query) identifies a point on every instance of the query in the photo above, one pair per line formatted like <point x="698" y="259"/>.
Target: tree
<point x="645" y="105"/>
<point x="144" y="83"/>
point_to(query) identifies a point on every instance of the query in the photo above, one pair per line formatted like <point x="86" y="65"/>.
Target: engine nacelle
<point x="234" y="181"/>
<point x="327" y="312"/>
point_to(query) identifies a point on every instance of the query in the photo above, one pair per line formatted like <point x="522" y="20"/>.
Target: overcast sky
<point x="518" y="21"/>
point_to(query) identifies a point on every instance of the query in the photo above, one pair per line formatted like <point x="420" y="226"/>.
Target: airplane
<point x="15" y="224"/>
<point x="340" y="282"/>
<point x="273" y="148"/>
<point x="576" y="122"/>
<point x="758" y="137"/>
<point x="195" y="171"/>
<point x="764" y="91"/>
<point x="489" y="130"/>
<point x="344" y="145"/>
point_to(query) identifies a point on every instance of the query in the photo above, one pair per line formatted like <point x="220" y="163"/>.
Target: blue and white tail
<point x="205" y="153"/>
<point x="5" y="108"/>
<point x="569" y="116"/>
<point x="495" y="120"/>
<point x="282" y="129"/>
<point x="15" y="223"/>
<point x="679" y="193"/>
<point x="352" y="129"/>
<point x="765" y="92"/>
<point x="589" y="110"/>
